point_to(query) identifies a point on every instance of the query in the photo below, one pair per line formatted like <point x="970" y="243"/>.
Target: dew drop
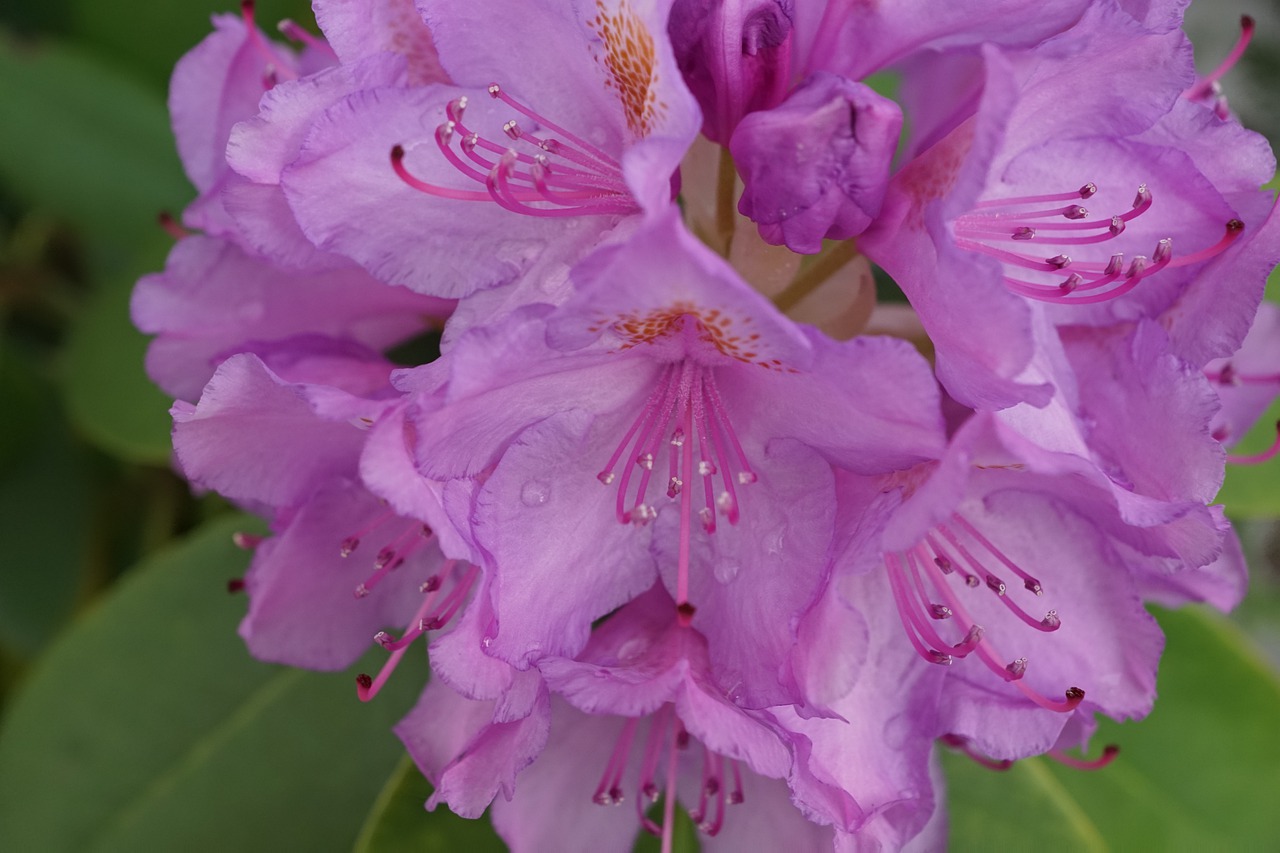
<point x="726" y="571"/>
<point x="535" y="493"/>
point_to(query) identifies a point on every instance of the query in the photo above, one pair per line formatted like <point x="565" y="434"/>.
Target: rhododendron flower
<point x="639" y="429"/>
<point x="666" y="545"/>
<point x="540" y="146"/>
<point x="1100" y="210"/>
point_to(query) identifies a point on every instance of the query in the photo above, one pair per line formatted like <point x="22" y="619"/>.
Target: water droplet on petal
<point x="535" y="493"/>
<point x="726" y="572"/>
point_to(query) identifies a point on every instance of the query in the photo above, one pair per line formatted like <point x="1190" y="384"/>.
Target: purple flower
<point x="1010" y="568"/>
<point x="543" y="144"/>
<point x="214" y="300"/>
<point x="574" y="426"/>
<point x="991" y="221"/>
<point x="636" y="724"/>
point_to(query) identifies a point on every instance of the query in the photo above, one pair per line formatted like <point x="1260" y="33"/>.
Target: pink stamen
<point x="987" y="652"/>
<point x="1051" y="622"/>
<point x="1205" y="85"/>
<point x="684" y="407"/>
<point x="246" y="541"/>
<point x="1109" y="754"/>
<point x="272" y="73"/>
<point x="1228" y="375"/>
<point x="1087" y="282"/>
<point x="961" y="743"/>
<point x="609" y="792"/>
<point x="171" y="226"/>
<point x="1258" y="458"/>
<point x="565" y="176"/>
<point x="367" y="687"/>
<point x="351" y="542"/>
<point x="393" y="555"/>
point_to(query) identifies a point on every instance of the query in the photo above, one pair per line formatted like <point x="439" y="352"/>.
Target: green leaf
<point x="88" y="144"/>
<point x="1199" y="774"/>
<point x="172" y="28"/>
<point x="107" y="392"/>
<point x="1013" y="810"/>
<point x="148" y="727"/>
<point x="44" y="508"/>
<point x="398" y="823"/>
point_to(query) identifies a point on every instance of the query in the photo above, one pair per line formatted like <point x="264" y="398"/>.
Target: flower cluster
<point x="685" y="505"/>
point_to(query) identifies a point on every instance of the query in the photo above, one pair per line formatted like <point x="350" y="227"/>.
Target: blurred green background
<point x="133" y="718"/>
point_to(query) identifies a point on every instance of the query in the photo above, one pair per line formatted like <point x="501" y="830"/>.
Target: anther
<point x="1058" y="261"/>
<point x="1024" y="232"/>
<point x="1117" y="226"/>
<point x="430" y="585"/>
<point x="939" y="611"/>
<point x="1137" y="266"/>
<point x="362" y="591"/>
<point x="1071" y="283"/>
<point x="246" y="541"/>
<point x="684" y="613"/>
<point x="1075" y="211"/>
<point x="1051" y="621"/>
<point x="348" y="545"/>
<point x="995" y="585"/>
<point x="512" y="129"/>
<point x="1017" y="669"/>
<point x="1088" y="190"/>
<point x="494" y="90"/>
<point x="1143" y="196"/>
<point x="235" y="585"/>
<point x="1164" y="250"/>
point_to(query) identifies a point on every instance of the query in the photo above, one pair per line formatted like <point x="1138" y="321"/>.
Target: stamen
<point x="246" y="541"/>
<point x="171" y="226"/>
<point x="351" y="542"/>
<point x="684" y="409"/>
<point x="1258" y="458"/>
<point x="1228" y="375"/>
<point x="609" y="792"/>
<point x="366" y="687"/>
<point x="1050" y="622"/>
<point x="272" y="73"/>
<point x="1206" y="85"/>
<point x="1067" y="226"/>
<point x="1109" y="754"/>
<point x="987" y="653"/>
<point x="530" y="175"/>
<point x="961" y="743"/>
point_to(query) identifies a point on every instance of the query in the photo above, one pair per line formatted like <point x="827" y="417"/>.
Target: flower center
<point x="667" y="740"/>
<point x="1060" y="225"/>
<point x="528" y="172"/>
<point x="946" y="553"/>
<point x="683" y="410"/>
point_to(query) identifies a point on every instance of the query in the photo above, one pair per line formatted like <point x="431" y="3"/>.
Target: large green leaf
<point x="88" y="144"/>
<point x="148" y="727"/>
<point x="1199" y="774"/>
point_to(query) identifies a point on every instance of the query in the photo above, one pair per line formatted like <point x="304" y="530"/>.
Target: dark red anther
<point x="684" y="613"/>
<point x="235" y="585"/>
